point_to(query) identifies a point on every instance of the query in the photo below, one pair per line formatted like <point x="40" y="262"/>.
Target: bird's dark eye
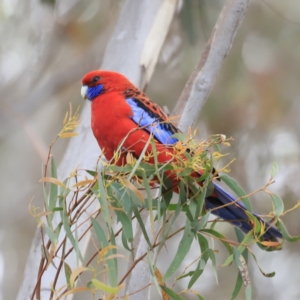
<point x="95" y="79"/>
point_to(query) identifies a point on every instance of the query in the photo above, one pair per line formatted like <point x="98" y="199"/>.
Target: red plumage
<point x="111" y="118"/>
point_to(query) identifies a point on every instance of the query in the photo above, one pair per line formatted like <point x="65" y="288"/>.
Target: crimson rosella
<point x="121" y="113"/>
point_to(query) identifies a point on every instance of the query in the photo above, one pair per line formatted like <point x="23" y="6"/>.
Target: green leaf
<point x="219" y="236"/>
<point x="70" y="235"/>
<point x="248" y="292"/>
<point x="148" y="191"/>
<point x="248" y="238"/>
<point x="141" y="157"/>
<point x="272" y="274"/>
<point x="240" y="237"/>
<point x="52" y="236"/>
<point x="57" y="209"/>
<point x="182" y="193"/>
<point x="234" y="186"/>
<point x="278" y="206"/>
<point x="212" y="257"/>
<point x="122" y="217"/>
<point x="239" y="234"/>
<point x="103" y="200"/>
<point x="140" y="220"/>
<point x="189" y="274"/>
<point x="171" y="293"/>
<point x="116" y="169"/>
<point x="91" y="172"/>
<point x="57" y="230"/>
<point x="203" y="243"/>
<point x="149" y="169"/>
<point x="285" y="233"/>
<point x="113" y="251"/>
<point x="243" y="269"/>
<point x="237" y="255"/>
<point x="125" y="241"/>
<point x="167" y="232"/>
<point x="183" y="200"/>
<point x="238" y="285"/>
<point x="122" y="198"/>
<point x="76" y="248"/>
<point x="198" y="225"/>
<point x="198" y="271"/>
<point x="192" y="207"/>
<point x="63" y="193"/>
<point x="68" y="272"/>
<point x="183" y="249"/>
<point x="112" y="269"/>
<point x="200" y="202"/>
<point x="274" y="170"/>
<point x="53" y="190"/>
<point x="167" y="191"/>
<point x="126" y="224"/>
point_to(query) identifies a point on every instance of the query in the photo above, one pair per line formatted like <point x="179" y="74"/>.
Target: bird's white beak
<point x="84" y="89"/>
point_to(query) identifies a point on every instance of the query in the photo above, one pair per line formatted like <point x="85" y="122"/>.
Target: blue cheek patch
<point x="148" y="119"/>
<point x="94" y="91"/>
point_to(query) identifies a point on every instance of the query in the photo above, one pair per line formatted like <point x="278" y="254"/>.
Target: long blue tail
<point x="236" y="213"/>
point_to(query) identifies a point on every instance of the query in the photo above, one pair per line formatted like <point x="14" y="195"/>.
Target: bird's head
<point x="99" y="82"/>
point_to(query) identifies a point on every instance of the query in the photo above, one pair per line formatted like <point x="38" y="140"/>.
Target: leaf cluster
<point x="119" y="195"/>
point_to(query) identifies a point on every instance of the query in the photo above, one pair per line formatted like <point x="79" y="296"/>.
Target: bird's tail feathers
<point x="236" y="213"/>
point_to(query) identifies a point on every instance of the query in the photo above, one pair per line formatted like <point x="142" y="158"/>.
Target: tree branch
<point x="202" y="79"/>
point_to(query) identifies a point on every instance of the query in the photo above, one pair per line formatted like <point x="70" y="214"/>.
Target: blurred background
<point x="47" y="46"/>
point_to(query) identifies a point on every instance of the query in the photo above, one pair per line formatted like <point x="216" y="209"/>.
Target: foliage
<point x="122" y="194"/>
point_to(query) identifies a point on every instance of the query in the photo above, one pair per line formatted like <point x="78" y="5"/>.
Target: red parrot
<point x="121" y="113"/>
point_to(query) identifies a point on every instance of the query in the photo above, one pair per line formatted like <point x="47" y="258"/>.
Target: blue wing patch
<point x="152" y="122"/>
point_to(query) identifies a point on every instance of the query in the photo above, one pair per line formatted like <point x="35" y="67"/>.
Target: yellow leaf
<point x="67" y="134"/>
<point x="66" y="118"/>
<point x="222" y="137"/>
<point x="76" y="290"/>
<point x="161" y="281"/>
<point x="84" y="182"/>
<point x="104" y="251"/>
<point x="103" y="287"/>
<point x="129" y="158"/>
<point x="52" y="180"/>
<point x="115" y="256"/>
<point x="76" y="273"/>
<point x="43" y="213"/>
<point x="179" y="145"/>
<point x="270" y="244"/>
<point x="51" y="255"/>
<point x="129" y="185"/>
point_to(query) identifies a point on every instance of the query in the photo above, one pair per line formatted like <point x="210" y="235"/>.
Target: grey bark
<point x="203" y="77"/>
